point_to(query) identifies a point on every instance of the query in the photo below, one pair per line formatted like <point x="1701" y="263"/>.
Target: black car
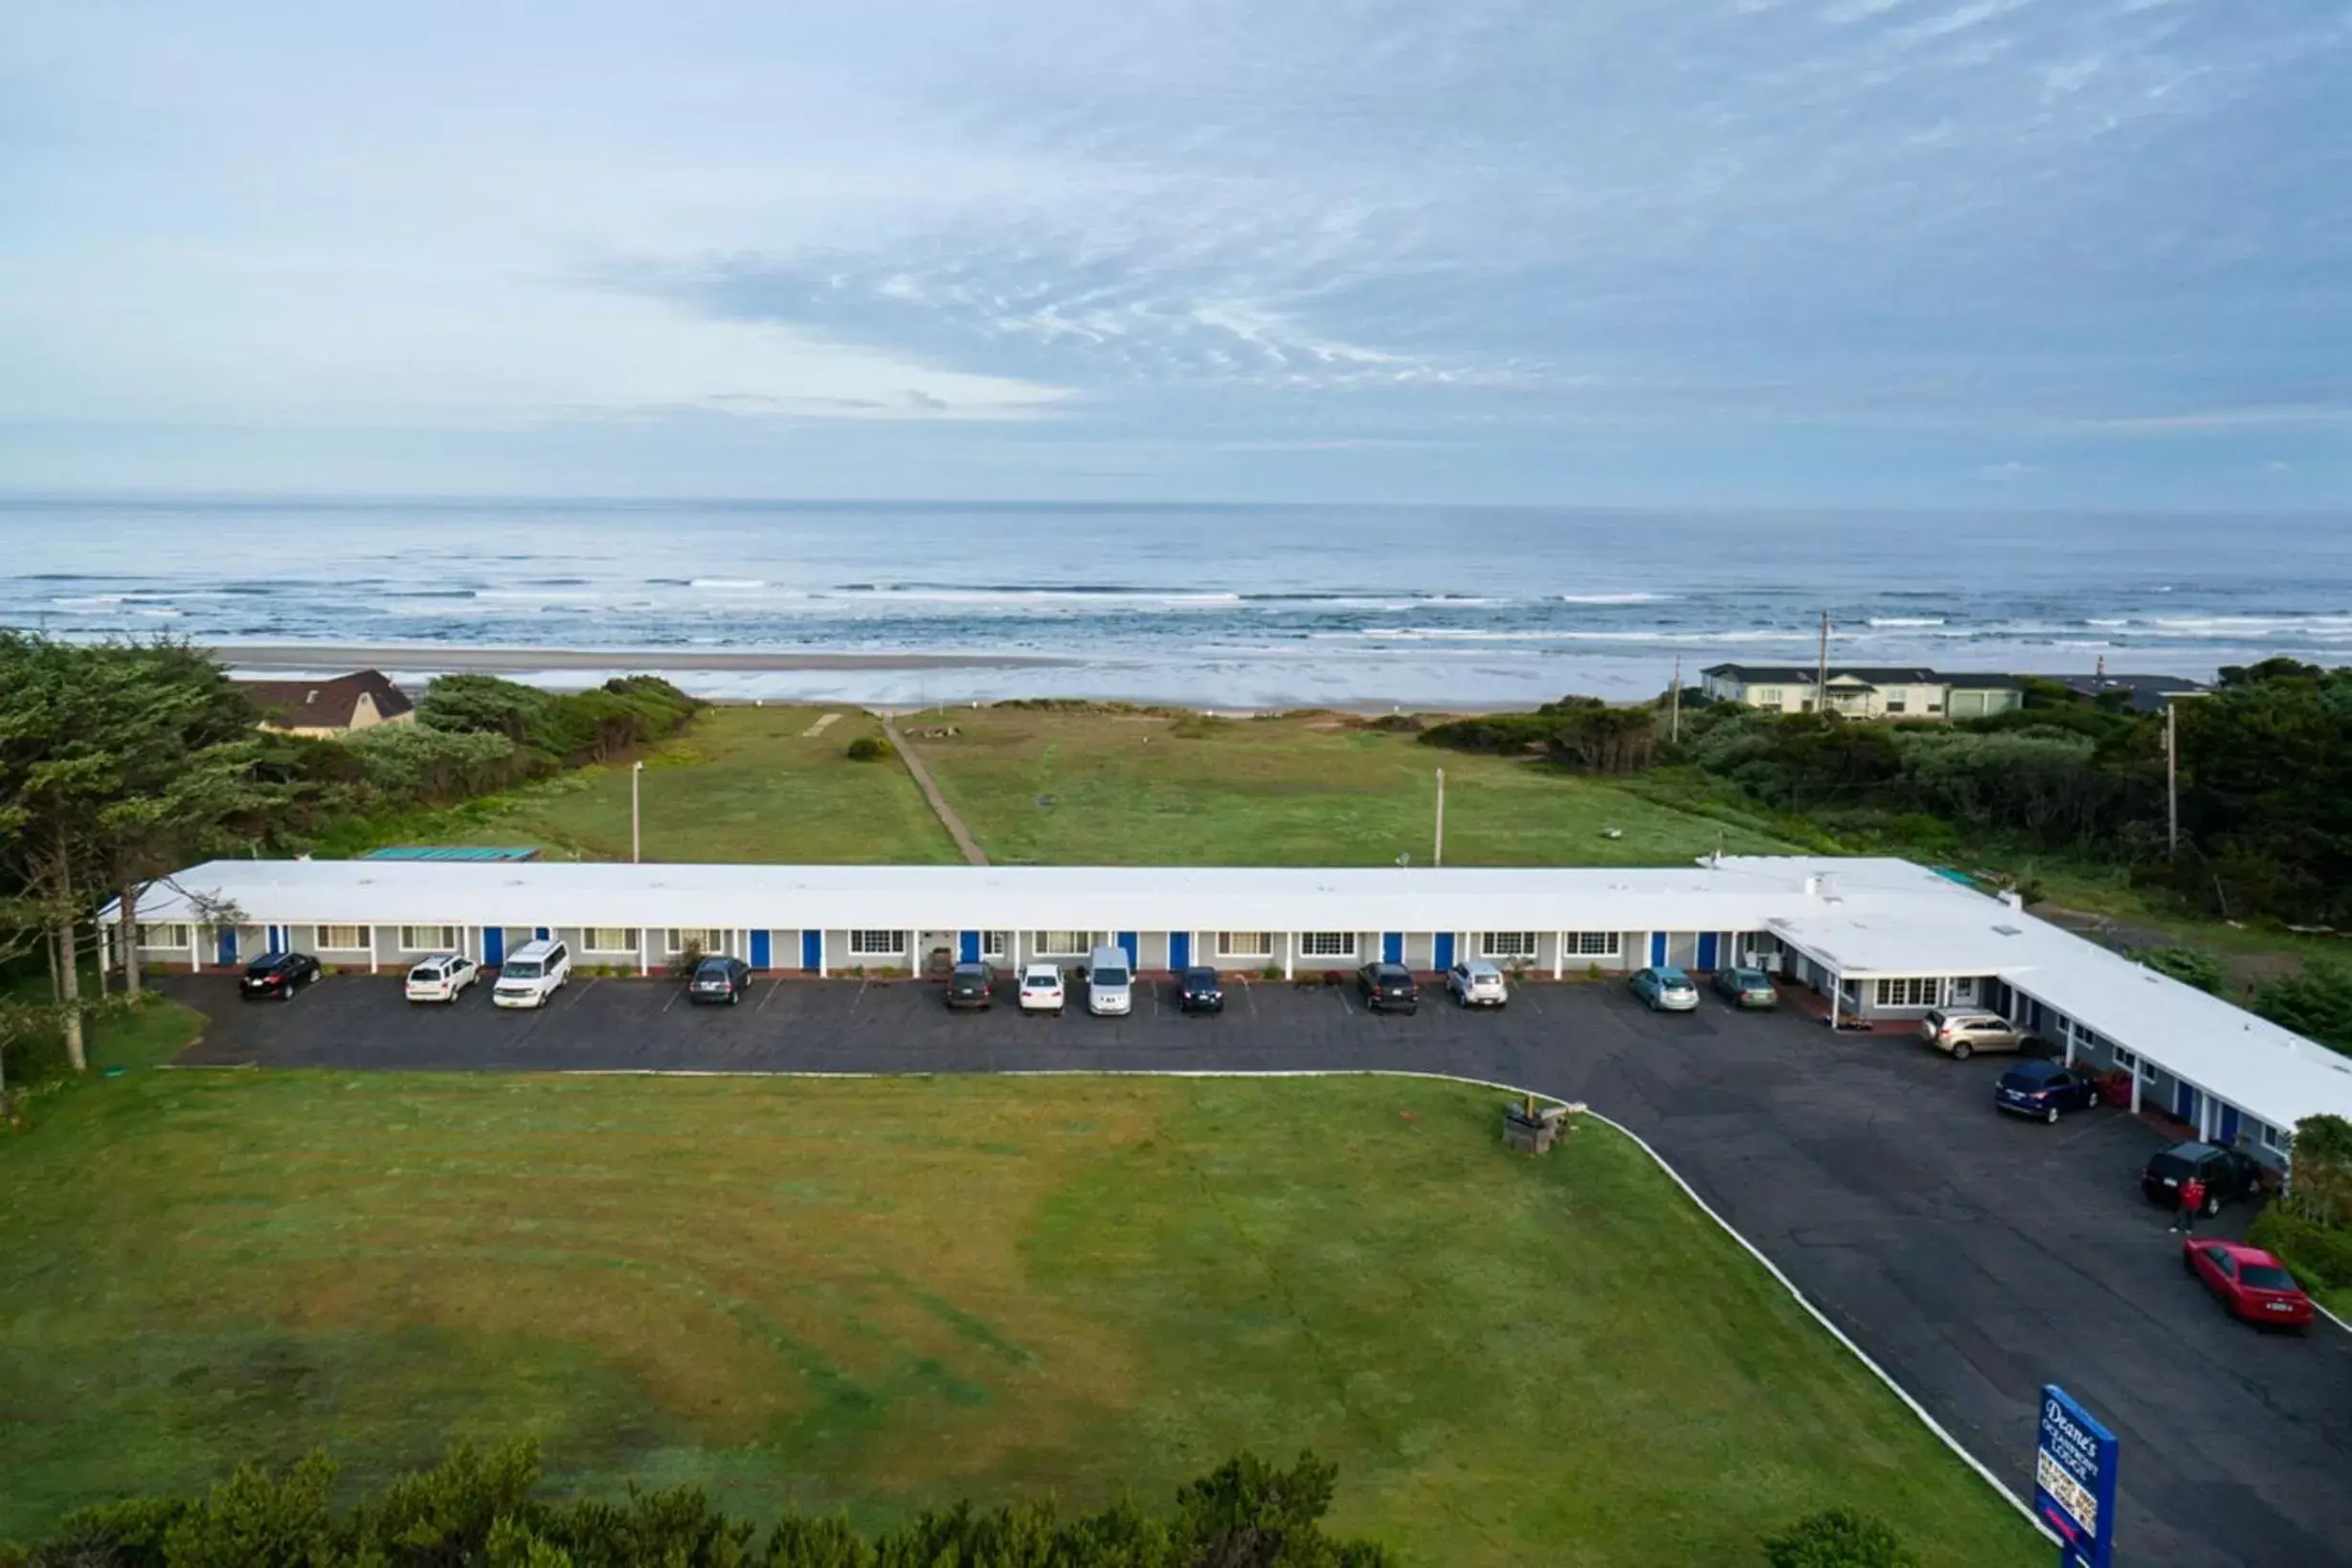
<point x="278" y="974"/>
<point x="2043" y="1089"/>
<point x="1388" y="988"/>
<point x="2226" y="1174"/>
<point x="1199" y="991"/>
<point x="972" y="985"/>
<point x="719" y="981"/>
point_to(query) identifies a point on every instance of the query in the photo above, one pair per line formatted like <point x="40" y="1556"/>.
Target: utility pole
<point x="1437" y="855"/>
<point x="1674" y="707"/>
<point x="2172" y="779"/>
<point x="1821" y="682"/>
<point x="635" y="838"/>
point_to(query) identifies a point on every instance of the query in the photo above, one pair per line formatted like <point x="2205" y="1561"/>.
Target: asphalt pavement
<point x="1974" y="1255"/>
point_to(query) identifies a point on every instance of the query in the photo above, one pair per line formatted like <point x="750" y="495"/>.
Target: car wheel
<point x="2210" y="1207"/>
<point x="733" y="997"/>
<point x="2051" y="1115"/>
<point x="1961" y="1051"/>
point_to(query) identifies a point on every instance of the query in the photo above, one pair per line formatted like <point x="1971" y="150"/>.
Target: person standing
<point x="2192" y="1200"/>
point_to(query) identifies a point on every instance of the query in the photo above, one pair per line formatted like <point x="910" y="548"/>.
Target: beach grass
<point x="743" y="784"/>
<point x="1045" y="786"/>
<point x="882" y="1295"/>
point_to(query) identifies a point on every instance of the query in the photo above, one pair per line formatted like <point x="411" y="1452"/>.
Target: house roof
<point x="324" y="704"/>
<point x="1875" y="675"/>
<point x="2148" y="693"/>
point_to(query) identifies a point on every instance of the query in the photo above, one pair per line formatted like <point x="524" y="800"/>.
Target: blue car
<point x="1664" y="989"/>
<point x="2043" y="1089"/>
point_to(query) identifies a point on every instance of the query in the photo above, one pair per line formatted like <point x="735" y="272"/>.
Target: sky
<point x="1998" y="254"/>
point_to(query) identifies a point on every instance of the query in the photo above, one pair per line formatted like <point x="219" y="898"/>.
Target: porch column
<point x="195" y="947"/>
<point x="1560" y="954"/>
<point x="2135" y="1087"/>
<point x="644" y="951"/>
<point x="824" y="958"/>
<point x="375" y="935"/>
<point x="1837" y="991"/>
<point x="2068" y="1036"/>
<point x="1289" y="953"/>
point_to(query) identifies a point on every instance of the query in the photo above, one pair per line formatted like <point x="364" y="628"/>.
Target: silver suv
<point x="1477" y="983"/>
<point x="1961" y="1031"/>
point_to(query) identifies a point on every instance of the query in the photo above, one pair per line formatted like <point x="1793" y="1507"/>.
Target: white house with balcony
<point x="1865" y="691"/>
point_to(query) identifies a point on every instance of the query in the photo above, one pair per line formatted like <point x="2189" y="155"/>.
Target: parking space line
<point x="1341" y="992"/>
<point x="1528" y="996"/>
<point x="673" y="1002"/>
<point x="858" y="997"/>
<point x="592" y="985"/>
<point x="773" y="986"/>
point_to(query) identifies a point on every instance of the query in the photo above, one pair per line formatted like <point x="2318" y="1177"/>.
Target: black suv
<point x="1388" y="988"/>
<point x="719" y="979"/>
<point x="279" y="974"/>
<point x="1199" y="991"/>
<point x="2226" y="1174"/>
<point x="972" y="985"/>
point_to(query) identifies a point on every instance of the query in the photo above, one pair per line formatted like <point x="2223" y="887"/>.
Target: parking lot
<point x="1975" y="1256"/>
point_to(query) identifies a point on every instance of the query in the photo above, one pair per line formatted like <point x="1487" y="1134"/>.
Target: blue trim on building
<point x="1180" y="949"/>
<point x="812" y="950"/>
<point x="762" y="949"/>
<point x="1444" y="955"/>
<point x="1392" y="947"/>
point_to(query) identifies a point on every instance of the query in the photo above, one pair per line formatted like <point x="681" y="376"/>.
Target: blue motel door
<point x="494" y="945"/>
<point x="761" y="950"/>
<point x="967" y="947"/>
<point x="1180" y="949"/>
<point x="227" y="946"/>
<point x="812" y="950"/>
<point x="1445" y="949"/>
<point x="1127" y="944"/>
<point x="1706" y="949"/>
<point x="1392" y="947"/>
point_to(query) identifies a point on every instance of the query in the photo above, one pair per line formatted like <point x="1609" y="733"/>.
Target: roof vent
<point x="2009" y="930"/>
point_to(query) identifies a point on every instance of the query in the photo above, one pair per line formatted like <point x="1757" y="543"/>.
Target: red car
<point x="2248" y="1281"/>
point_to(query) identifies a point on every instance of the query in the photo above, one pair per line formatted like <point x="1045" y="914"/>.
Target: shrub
<point x="867" y="748"/>
<point x="2320" y="1254"/>
<point x="1838" y="1539"/>
<point x="2190" y="966"/>
<point x="2316" y="1003"/>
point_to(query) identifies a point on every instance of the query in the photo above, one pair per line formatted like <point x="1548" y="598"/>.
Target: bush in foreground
<point x="1838" y="1539"/>
<point x="867" y="748"/>
<point x="485" y="1508"/>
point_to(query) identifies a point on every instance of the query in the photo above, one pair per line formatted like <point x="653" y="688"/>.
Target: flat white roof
<point x="1861" y="916"/>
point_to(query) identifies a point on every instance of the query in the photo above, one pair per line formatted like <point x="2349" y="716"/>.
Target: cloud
<point x="2007" y="473"/>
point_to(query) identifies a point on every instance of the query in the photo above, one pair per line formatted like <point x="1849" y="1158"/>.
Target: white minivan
<point x="532" y="973"/>
<point x="1110" y="983"/>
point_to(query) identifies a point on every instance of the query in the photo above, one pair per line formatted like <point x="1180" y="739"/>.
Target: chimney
<point x="2014" y="899"/>
<point x="1813" y="885"/>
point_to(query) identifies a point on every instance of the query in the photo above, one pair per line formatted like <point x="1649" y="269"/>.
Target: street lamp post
<point x="1437" y="850"/>
<point x="636" y="840"/>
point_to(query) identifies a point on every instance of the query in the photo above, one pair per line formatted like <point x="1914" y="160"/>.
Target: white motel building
<point x="1878" y="938"/>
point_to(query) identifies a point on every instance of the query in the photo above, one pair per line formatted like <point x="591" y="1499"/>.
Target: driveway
<point x="1974" y="1255"/>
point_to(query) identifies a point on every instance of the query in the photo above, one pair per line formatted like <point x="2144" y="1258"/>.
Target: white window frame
<point x="709" y="938"/>
<point x="1768" y="696"/>
<point x="176" y="932"/>
<point x="2125" y="1061"/>
<point x="1229" y="943"/>
<point x="992" y="944"/>
<point x="1327" y="944"/>
<point x="864" y="944"/>
<point x="628" y="943"/>
<point x="328" y="944"/>
<point x="1058" y="944"/>
<point x="1593" y="944"/>
<point x="2274" y="1141"/>
<point x="1505" y="944"/>
<point x="447" y="943"/>
<point x="1908" y="990"/>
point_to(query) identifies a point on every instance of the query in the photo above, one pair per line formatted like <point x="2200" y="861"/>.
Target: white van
<point x="1110" y="983"/>
<point x="532" y="973"/>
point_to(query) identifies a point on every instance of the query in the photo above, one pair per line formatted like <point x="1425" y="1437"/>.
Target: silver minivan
<point x="1110" y="984"/>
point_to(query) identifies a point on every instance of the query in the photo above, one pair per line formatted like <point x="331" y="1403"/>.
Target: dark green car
<point x="1745" y="988"/>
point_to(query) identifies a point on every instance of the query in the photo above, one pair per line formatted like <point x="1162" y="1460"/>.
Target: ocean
<point x="1218" y="606"/>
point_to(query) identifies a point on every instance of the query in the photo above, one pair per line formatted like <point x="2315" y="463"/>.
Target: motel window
<point x="1591" y="944"/>
<point x="2147" y="1072"/>
<point x="163" y="936"/>
<point x="2275" y="1141"/>
<point x="609" y="939"/>
<point x="992" y="944"/>
<point x="343" y="939"/>
<point x="1896" y="705"/>
<point x="704" y="941"/>
<point x="2125" y="1061"/>
<point x="1327" y="944"/>
<point x="877" y="944"/>
<point x="1911" y="991"/>
<point x="1245" y="944"/>
<point x="1507" y="944"/>
<point x="1061" y="944"/>
<point x="429" y="938"/>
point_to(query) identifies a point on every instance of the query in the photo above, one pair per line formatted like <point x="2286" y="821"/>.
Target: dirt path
<point x="940" y="808"/>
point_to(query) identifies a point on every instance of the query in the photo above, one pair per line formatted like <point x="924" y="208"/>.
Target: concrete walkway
<point x="940" y="808"/>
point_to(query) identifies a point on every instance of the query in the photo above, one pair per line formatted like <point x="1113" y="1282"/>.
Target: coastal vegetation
<point x="880" y="1297"/>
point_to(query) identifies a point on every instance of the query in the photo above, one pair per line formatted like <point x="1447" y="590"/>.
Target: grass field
<point x="1041" y="787"/>
<point x="743" y="784"/>
<point x="886" y="1293"/>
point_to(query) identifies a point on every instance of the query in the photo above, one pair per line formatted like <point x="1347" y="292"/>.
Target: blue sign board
<point x="2074" y="1481"/>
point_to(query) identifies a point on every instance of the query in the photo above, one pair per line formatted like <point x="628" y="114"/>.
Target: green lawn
<point x="1041" y="787"/>
<point x="883" y="1294"/>
<point x="743" y="784"/>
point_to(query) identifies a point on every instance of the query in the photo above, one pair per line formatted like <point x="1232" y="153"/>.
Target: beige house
<point x="328" y="708"/>
<point x="1865" y="691"/>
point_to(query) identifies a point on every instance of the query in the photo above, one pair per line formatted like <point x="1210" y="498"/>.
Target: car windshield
<point x="712" y="971"/>
<point x="2263" y="1277"/>
<point x="1200" y="976"/>
<point x="1041" y="979"/>
<point x="1110" y="977"/>
<point x="526" y="969"/>
<point x="1752" y="978"/>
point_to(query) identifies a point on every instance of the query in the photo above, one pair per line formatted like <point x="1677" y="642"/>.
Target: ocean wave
<point x="728" y="585"/>
<point x="1630" y="597"/>
<point x="1906" y="620"/>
